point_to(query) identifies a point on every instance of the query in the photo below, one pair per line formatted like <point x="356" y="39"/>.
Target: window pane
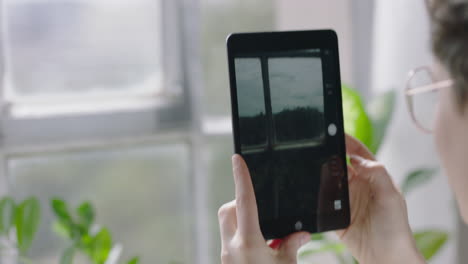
<point x="219" y="171"/>
<point x="251" y="102"/>
<point x="219" y="19"/>
<point x="142" y="194"/>
<point x="297" y="102"/>
<point x="76" y="46"/>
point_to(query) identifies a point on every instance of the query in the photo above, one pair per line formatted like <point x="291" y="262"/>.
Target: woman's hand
<point x="241" y="238"/>
<point x="379" y="230"/>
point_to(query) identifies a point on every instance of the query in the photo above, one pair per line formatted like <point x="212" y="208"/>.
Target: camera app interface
<point x="287" y="127"/>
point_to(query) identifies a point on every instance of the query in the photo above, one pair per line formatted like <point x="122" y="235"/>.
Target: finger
<point x="340" y="233"/>
<point x="246" y="205"/>
<point x="289" y="246"/>
<point x="373" y="172"/>
<point x="227" y="220"/>
<point x="354" y="147"/>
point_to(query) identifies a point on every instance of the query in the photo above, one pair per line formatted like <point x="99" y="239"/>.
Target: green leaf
<point x="85" y="244"/>
<point x="62" y="230"/>
<point x="101" y="246"/>
<point x="417" y="178"/>
<point x="27" y="218"/>
<point x="134" y="260"/>
<point x="380" y="111"/>
<point x="67" y="256"/>
<point x="87" y="240"/>
<point x="85" y="215"/>
<point x="66" y="223"/>
<point x="335" y="247"/>
<point x="356" y="120"/>
<point x="61" y="211"/>
<point x="7" y="214"/>
<point x="429" y="242"/>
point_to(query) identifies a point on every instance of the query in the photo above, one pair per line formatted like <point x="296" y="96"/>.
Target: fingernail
<point x="355" y="159"/>
<point x="275" y="243"/>
<point x="235" y="161"/>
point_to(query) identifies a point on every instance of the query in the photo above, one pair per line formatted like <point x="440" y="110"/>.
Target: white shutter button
<point x="298" y="226"/>
<point x="332" y="129"/>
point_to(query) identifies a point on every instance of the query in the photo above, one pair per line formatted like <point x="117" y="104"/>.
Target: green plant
<point x="369" y="125"/>
<point x="76" y="226"/>
<point x="19" y="223"/>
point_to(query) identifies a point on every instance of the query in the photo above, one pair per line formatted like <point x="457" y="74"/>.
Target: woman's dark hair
<point x="449" y="23"/>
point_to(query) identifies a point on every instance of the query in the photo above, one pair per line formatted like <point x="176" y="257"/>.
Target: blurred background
<point x="126" y="104"/>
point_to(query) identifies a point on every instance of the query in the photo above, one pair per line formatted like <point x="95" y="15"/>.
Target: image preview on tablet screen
<point x="281" y="109"/>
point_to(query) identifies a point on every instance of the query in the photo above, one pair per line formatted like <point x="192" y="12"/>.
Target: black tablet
<point x="288" y="125"/>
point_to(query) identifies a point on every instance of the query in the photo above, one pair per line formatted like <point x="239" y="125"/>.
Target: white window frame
<point x="135" y="121"/>
<point x="175" y="117"/>
<point x="137" y="118"/>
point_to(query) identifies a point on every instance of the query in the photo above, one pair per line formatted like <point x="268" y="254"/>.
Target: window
<point x="94" y="108"/>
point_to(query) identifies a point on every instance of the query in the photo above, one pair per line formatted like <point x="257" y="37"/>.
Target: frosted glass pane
<point x="221" y="185"/>
<point x="71" y="46"/>
<point x="142" y="194"/>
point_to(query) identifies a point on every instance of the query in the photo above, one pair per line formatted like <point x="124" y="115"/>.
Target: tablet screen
<point x="287" y="124"/>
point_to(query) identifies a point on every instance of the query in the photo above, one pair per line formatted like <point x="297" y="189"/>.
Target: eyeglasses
<point x="422" y="96"/>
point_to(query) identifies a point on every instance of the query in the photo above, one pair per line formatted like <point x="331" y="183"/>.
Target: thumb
<point x="292" y="243"/>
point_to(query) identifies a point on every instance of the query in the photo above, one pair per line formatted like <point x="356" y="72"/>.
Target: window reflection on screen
<point x="251" y="102"/>
<point x="299" y="172"/>
<point x="296" y="87"/>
